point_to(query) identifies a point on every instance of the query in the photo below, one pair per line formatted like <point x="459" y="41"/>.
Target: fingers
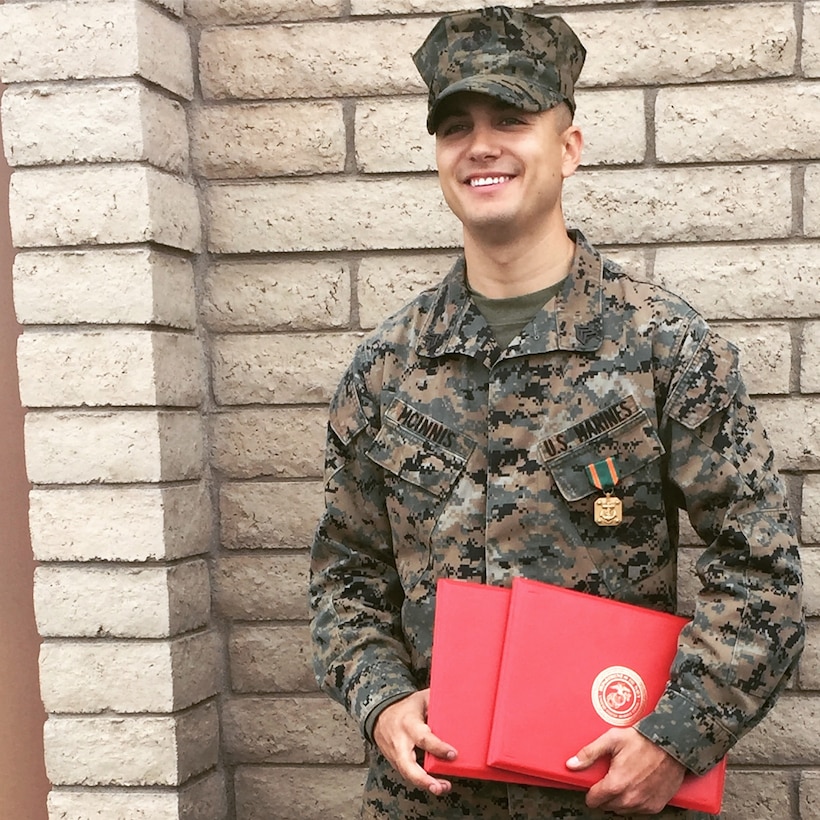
<point x="603" y="745"/>
<point x="401" y="729"/>
<point x="641" y="779"/>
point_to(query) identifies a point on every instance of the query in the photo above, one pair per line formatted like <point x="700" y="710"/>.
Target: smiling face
<point x="501" y="169"/>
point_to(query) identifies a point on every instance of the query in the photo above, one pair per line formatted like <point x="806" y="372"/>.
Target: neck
<point x="516" y="269"/>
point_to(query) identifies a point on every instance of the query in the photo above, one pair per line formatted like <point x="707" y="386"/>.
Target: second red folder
<point x="573" y="666"/>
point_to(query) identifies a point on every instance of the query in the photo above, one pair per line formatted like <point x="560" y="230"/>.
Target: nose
<point x="483" y="142"/>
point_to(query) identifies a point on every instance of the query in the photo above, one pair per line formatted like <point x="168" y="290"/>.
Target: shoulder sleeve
<point x="747" y="631"/>
<point x="707" y="378"/>
<point x="359" y="656"/>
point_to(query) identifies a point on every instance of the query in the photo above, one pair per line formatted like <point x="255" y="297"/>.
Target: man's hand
<point x="402" y="728"/>
<point x="642" y="777"/>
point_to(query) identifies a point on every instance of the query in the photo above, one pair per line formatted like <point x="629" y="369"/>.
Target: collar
<point x="573" y="321"/>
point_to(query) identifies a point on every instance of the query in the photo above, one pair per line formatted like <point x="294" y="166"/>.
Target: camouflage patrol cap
<point x="529" y="62"/>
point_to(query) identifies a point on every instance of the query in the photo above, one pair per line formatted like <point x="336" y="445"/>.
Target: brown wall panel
<point x="23" y="783"/>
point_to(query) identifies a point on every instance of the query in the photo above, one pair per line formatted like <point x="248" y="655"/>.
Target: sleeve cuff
<point x="371" y="717"/>
<point x="683" y="731"/>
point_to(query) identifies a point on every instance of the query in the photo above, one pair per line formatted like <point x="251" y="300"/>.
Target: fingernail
<point x="451" y="755"/>
<point x="573" y="762"/>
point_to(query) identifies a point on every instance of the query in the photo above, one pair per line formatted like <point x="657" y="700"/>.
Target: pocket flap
<point x="627" y="435"/>
<point x="420" y="449"/>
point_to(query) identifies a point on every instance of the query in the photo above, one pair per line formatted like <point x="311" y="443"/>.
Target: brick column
<point x="105" y="215"/>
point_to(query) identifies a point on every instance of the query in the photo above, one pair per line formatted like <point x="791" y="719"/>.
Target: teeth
<point x="479" y="181"/>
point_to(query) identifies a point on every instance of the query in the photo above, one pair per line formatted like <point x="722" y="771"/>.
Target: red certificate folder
<point x="573" y="666"/>
<point x="468" y="636"/>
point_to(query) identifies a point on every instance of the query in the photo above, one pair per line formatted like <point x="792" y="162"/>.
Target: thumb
<point x="604" y="745"/>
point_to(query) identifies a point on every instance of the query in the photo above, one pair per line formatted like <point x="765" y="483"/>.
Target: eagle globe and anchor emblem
<point x="619" y="696"/>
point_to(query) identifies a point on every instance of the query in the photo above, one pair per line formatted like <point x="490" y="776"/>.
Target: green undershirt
<point x="508" y="317"/>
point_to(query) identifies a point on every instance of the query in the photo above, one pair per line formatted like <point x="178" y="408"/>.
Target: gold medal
<point x="609" y="510"/>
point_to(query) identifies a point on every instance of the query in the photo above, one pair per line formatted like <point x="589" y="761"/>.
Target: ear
<point x="573" y="145"/>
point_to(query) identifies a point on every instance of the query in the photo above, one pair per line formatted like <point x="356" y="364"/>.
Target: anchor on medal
<point x="603" y="475"/>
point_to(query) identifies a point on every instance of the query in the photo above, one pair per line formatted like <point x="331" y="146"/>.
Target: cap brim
<point x="516" y="92"/>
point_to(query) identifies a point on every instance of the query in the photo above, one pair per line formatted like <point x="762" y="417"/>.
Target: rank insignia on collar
<point x="608" y="511"/>
<point x="589" y="332"/>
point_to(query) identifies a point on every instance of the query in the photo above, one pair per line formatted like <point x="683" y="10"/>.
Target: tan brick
<point x="282" y="442"/>
<point x="148" y="602"/>
<point x="204" y="799"/>
<point x="280" y="368"/>
<point x="386" y="282"/>
<point x="681" y="204"/>
<point x="283" y="792"/>
<point x="330" y="214"/>
<point x="131" y="751"/>
<point x="810" y="796"/>
<point x="811" y="206"/>
<point x="391" y="135"/>
<point x="113" y="805"/>
<point x="745" y="281"/>
<point x="122" y="446"/>
<point x="103" y="523"/>
<point x="810" y="659"/>
<point x="269" y="139"/>
<point x="810" y="359"/>
<point x="226" y="12"/>
<point x="645" y="46"/>
<point x="794" y="427"/>
<point x="632" y="47"/>
<point x="811" y="39"/>
<point x="613" y="125"/>
<point x="94" y="38"/>
<point x="102" y="205"/>
<point x="738" y="123"/>
<point x="311" y="60"/>
<point x="810" y="522"/>
<point x="109" y="368"/>
<point x="758" y="795"/>
<point x="289" y="730"/>
<point x="765" y="354"/>
<point x="268" y="515"/>
<point x="84" y="677"/>
<point x="271" y="659"/>
<point x="613" y="206"/>
<point x="56" y="124"/>
<point x="106" y="286"/>
<point x="259" y="587"/>
<point x="263" y="295"/>
<point x="786" y="736"/>
<point x="810" y="556"/>
<point x="367" y="7"/>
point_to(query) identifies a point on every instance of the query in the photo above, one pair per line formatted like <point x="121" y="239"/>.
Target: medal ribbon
<point x="603" y="474"/>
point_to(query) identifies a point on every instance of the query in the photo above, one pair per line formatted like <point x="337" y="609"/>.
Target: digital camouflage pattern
<point x="449" y="457"/>
<point x="529" y="62"/>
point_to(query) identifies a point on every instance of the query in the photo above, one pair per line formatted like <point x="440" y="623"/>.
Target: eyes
<point x="454" y="124"/>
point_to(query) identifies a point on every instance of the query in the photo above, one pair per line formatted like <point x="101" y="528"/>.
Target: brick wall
<point x="213" y="202"/>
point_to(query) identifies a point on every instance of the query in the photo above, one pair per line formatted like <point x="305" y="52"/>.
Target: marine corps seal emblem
<point x="619" y="696"/>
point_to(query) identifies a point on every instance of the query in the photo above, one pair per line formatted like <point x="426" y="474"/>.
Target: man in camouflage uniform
<point x="459" y="442"/>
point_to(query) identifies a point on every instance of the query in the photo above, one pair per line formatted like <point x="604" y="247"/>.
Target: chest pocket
<point x="419" y="449"/>
<point x="622" y="431"/>
<point x="423" y="460"/>
<point x="632" y="558"/>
